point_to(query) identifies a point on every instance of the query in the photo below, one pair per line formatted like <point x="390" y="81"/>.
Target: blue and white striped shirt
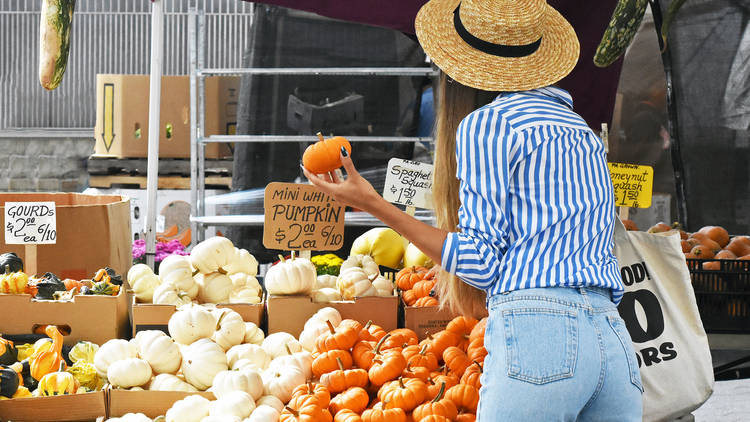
<point x="537" y="204"/>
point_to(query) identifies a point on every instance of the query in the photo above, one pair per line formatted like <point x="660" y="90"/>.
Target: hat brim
<point x="556" y="56"/>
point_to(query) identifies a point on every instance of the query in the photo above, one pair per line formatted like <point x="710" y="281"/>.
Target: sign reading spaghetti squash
<point x="633" y="184"/>
<point x="300" y="217"/>
<point x="408" y="183"/>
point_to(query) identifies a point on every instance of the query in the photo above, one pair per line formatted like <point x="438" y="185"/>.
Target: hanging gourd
<point x="13" y="282"/>
<point x="325" y="155"/>
<point x="58" y="383"/>
<point x="10" y="261"/>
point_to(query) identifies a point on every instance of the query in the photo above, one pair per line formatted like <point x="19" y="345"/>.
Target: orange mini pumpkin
<point x="404" y="393"/>
<point x="325" y="155"/>
<point x="437" y="406"/>
<point x="354" y="399"/>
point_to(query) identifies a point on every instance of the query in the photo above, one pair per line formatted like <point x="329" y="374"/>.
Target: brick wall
<point x="44" y="165"/>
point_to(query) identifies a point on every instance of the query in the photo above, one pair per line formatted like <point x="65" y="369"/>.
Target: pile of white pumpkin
<point x="214" y="272"/>
<point x="210" y="349"/>
<point x="359" y="276"/>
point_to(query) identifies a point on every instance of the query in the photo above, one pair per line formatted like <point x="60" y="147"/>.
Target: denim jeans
<point x="558" y="354"/>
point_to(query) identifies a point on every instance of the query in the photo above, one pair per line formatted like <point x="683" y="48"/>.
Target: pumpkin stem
<point x="292" y="255"/>
<point x="440" y="393"/>
<point x="424" y="350"/>
<point x="62" y="366"/>
<point x="7" y="268"/>
<point x="341" y="364"/>
<point x="222" y="271"/>
<point x="401" y="382"/>
<point x="292" y="411"/>
<point x="320" y="136"/>
<point x="367" y="326"/>
<point x="380" y="343"/>
<point x="310" y="389"/>
<point x="195" y="272"/>
<point x="288" y="350"/>
<point x="481" y="370"/>
<point x="281" y="258"/>
<point x="330" y="326"/>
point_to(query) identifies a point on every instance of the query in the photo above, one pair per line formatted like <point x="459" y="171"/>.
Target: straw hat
<point x="498" y="45"/>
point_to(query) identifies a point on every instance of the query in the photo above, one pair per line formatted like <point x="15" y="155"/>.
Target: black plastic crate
<point x="723" y="294"/>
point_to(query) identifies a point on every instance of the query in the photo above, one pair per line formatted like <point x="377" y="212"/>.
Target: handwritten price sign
<point x="408" y="183"/>
<point x="633" y="184"/>
<point x="300" y="217"/>
<point x="30" y="223"/>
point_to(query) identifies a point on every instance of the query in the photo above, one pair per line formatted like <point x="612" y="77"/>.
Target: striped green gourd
<point x="54" y="41"/>
<point x="625" y="21"/>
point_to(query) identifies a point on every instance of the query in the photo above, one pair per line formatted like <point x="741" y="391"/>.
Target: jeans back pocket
<point x="618" y="326"/>
<point x="541" y="344"/>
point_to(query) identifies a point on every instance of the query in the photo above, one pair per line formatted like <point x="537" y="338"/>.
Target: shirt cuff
<point x="449" y="254"/>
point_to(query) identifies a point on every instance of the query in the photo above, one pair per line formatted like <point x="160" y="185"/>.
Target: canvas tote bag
<point x="662" y="318"/>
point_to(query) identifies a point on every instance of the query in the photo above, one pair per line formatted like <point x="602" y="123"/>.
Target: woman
<point x="525" y="211"/>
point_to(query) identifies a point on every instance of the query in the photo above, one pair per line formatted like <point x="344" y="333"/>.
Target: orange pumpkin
<point x="407" y="277"/>
<point x="476" y="350"/>
<point x="354" y="399"/>
<point x="434" y="418"/>
<point x="473" y="375"/>
<point x="400" y="337"/>
<point x="386" y="367"/>
<point x="325" y="155"/>
<point x="478" y="330"/>
<point x="364" y="352"/>
<point x="342" y="379"/>
<point x="435" y="381"/>
<point x="438" y="406"/>
<point x="443" y="340"/>
<point x="329" y="361"/>
<point x="403" y="393"/>
<point x="71" y="284"/>
<point x="466" y="417"/>
<point x="415" y="372"/>
<point x="378" y="414"/>
<point x="350" y="323"/>
<point x="456" y="360"/>
<point x="409" y="297"/>
<point x="340" y="338"/>
<point x="303" y="409"/>
<point x="371" y="332"/>
<point x="462" y="325"/>
<point x="347" y="415"/>
<point x="420" y="356"/>
<point x="424" y="287"/>
<point x="426" y="301"/>
<point x="464" y="396"/>
<point x="319" y="391"/>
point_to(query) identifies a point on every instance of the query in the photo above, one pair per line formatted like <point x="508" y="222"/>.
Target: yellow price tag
<point x="633" y="184"/>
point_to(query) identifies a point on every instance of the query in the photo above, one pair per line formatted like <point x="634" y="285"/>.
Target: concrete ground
<point x="730" y="402"/>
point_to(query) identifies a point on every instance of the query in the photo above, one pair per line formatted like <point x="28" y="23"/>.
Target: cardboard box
<point x="93" y="232"/>
<point x="150" y="403"/>
<point x="289" y="313"/>
<point x="427" y="319"/>
<point x="76" y="407"/>
<point x="122" y="105"/>
<point x="94" y="318"/>
<point x="148" y="316"/>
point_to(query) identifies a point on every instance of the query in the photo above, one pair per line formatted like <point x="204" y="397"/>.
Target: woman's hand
<point x="355" y="191"/>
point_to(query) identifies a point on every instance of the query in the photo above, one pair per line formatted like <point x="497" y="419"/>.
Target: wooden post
<point x="29" y="263"/>
<point x="305" y="254"/>
<point x="624" y="213"/>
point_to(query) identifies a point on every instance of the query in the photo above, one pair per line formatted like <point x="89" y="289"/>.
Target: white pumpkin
<point x="192" y="408"/>
<point x="247" y="380"/>
<point x="244" y="295"/>
<point x="368" y="265"/>
<point x="134" y="389"/>
<point x="230" y="328"/>
<point x="246" y="280"/>
<point x="131" y="372"/>
<point x="143" y="281"/>
<point x="326" y="294"/>
<point x="212" y="254"/>
<point x="302" y="360"/>
<point x="280" y="382"/>
<point x="201" y="361"/>
<point x="222" y="418"/>
<point x="309" y="335"/>
<point x="354" y="282"/>
<point x="325" y="280"/>
<point x="291" y="277"/>
<point x="383" y="286"/>
<point x="131" y="417"/>
<point x="213" y="287"/>
<point x="252" y="352"/>
<point x="264" y="413"/>
<point x="279" y="344"/>
<point x="242" y="262"/>
<point x="253" y="334"/>
<point x="112" y="351"/>
<point x="271" y="401"/>
<point x="169" y="382"/>
<point x="325" y="314"/>
<point x="159" y="350"/>
<point x="168" y="294"/>
<point x="232" y="404"/>
<point x="177" y="270"/>
<point x="241" y="364"/>
<point x="191" y="323"/>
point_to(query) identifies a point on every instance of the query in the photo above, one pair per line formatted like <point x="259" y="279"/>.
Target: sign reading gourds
<point x="300" y="217"/>
<point x="408" y="183"/>
<point x="633" y="184"/>
<point x="30" y="223"/>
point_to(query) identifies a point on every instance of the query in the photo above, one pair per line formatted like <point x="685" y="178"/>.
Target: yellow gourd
<point x="58" y="383"/>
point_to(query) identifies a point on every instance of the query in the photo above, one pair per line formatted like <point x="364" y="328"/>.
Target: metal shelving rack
<point x="198" y="141"/>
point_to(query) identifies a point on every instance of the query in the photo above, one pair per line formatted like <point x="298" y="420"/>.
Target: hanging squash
<point x="325" y="155"/>
<point x="10" y="261"/>
<point x="13" y="282"/>
<point x="8" y="352"/>
<point x="58" y="383"/>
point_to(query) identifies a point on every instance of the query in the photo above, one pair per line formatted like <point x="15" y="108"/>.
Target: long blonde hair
<point x="454" y="102"/>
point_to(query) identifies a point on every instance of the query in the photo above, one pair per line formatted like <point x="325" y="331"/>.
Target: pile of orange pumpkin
<point x="416" y="285"/>
<point x="365" y="374"/>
